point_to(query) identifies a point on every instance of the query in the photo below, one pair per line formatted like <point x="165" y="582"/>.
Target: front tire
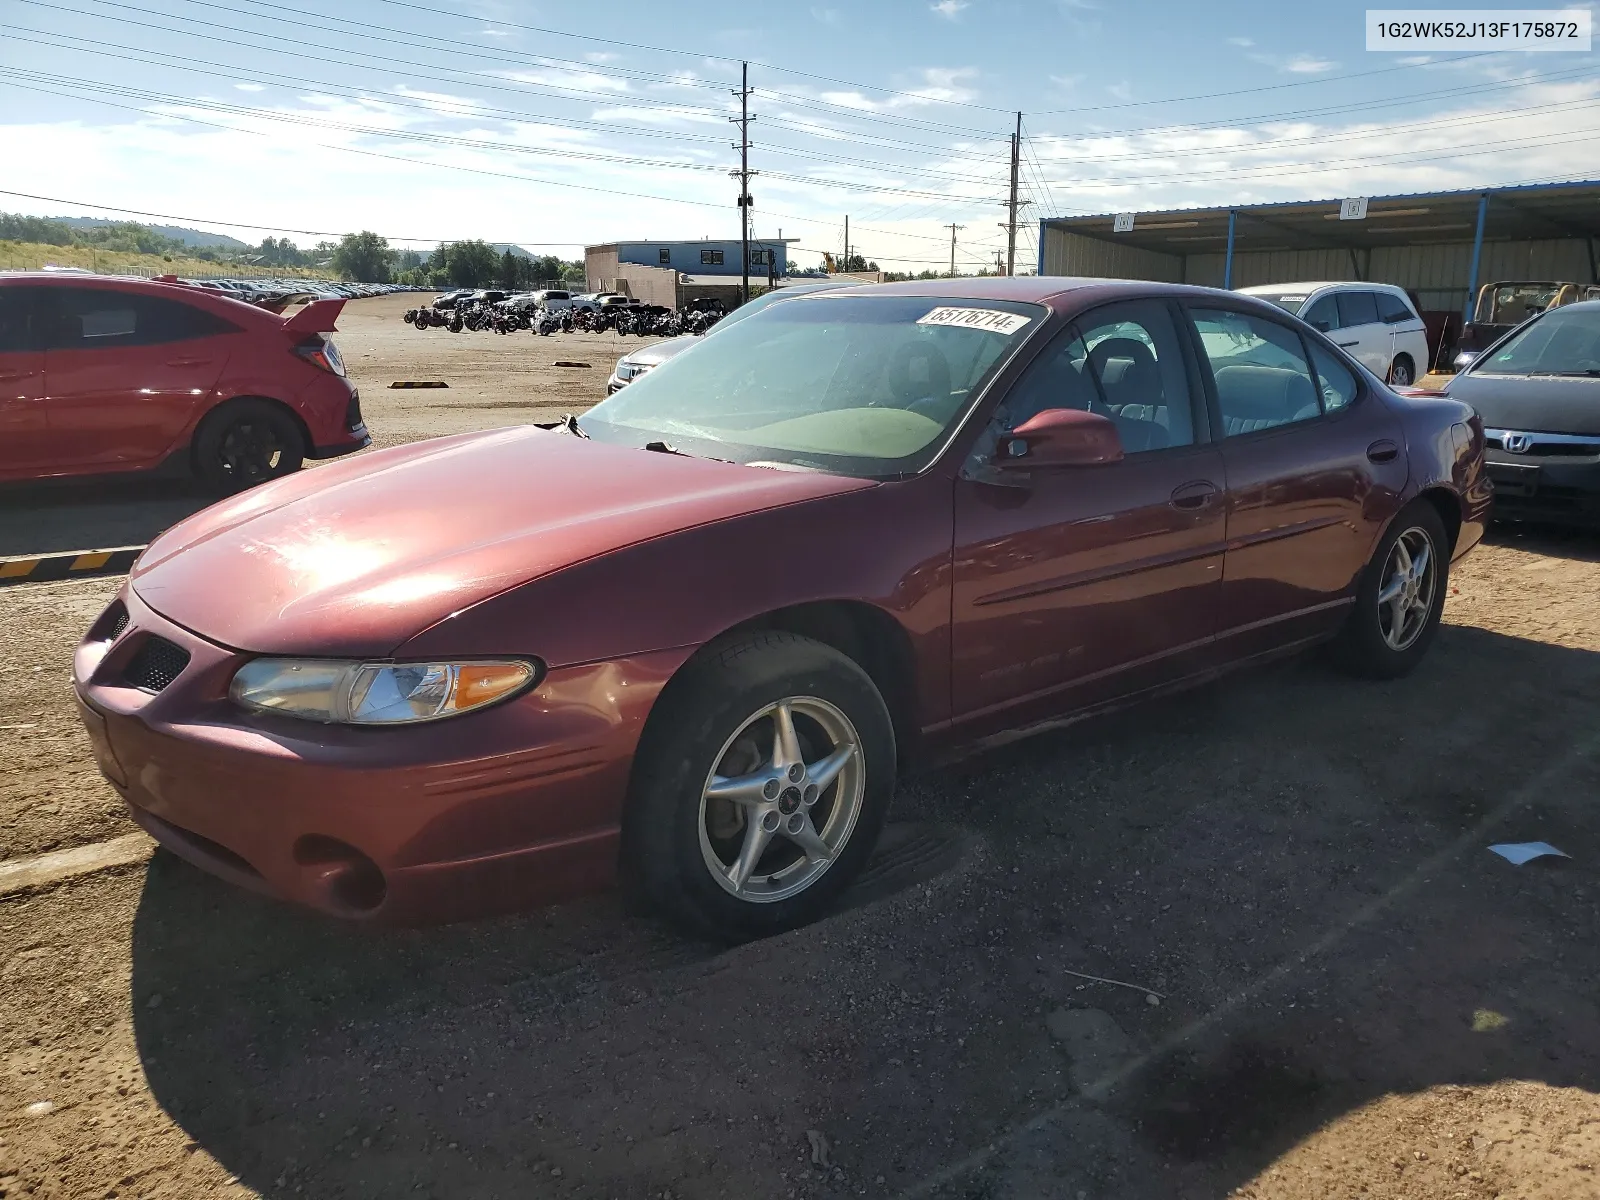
<point x="1399" y="599"/>
<point x="245" y="443"/>
<point x="760" y="790"/>
<point x="1402" y="372"/>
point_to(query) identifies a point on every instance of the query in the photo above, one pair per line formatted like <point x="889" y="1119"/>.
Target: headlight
<point x="353" y="693"/>
<point x="626" y="370"/>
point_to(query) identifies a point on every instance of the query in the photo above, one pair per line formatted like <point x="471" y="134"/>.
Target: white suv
<point x="1375" y="322"/>
<point x="552" y="301"/>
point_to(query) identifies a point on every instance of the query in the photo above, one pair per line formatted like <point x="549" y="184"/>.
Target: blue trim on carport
<point x="1040" y="268"/>
<point x="1227" y="266"/>
<point x="1477" y="255"/>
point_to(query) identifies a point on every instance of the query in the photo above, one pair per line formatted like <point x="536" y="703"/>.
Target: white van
<point x="552" y="300"/>
<point x="1375" y="322"/>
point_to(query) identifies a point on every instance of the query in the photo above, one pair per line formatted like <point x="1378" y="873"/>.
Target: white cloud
<point x="1067" y="83"/>
<point x="948" y="9"/>
<point x="1241" y="41"/>
<point x="1415" y="60"/>
<point x="828" y="16"/>
<point x="250" y="87"/>
<point x="1295" y="64"/>
<point x="601" y="56"/>
<point x="1120" y="91"/>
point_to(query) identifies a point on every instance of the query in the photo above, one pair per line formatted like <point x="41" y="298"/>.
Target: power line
<point x="134" y="212"/>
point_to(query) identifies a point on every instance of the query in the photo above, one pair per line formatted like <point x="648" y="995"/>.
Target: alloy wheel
<point x="251" y="451"/>
<point x="782" y="799"/>
<point x="1405" y="597"/>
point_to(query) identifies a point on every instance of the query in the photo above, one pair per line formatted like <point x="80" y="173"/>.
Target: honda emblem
<point x="1517" y="443"/>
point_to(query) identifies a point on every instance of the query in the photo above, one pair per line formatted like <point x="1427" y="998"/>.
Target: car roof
<point x="1269" y="289"/>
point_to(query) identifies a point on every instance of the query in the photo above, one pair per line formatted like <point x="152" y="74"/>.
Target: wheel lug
<point x="769" y="822"/>
<point x="809" y="796"/>
<point x="770" y="789"/>
<point x="796" y="772"/>
<point x="796" y="823"/>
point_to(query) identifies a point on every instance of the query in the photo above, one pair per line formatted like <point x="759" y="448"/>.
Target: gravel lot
<point x="1354" y="998"/>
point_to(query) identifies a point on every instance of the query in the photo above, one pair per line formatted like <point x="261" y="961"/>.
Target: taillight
<point x="320" y="351"/>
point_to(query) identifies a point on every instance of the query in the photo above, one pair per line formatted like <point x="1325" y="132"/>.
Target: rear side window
<point x="1392" y="309"/>
<point x="96" y="318"/>
<point x="1335" y="380"/>
<point x="1357" y="308"/>
<point x="19" y="319"/>
<point x="1262" y="377"/>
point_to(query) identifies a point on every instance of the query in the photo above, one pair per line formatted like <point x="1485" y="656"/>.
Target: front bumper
<point x="503" y="809"/>
<point x="1545" y="488"/>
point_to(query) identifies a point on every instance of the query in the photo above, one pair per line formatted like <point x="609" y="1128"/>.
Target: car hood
<point x="1537" y="403"/>
<point x="654" y="355"/>
<point x="359" y="556"/>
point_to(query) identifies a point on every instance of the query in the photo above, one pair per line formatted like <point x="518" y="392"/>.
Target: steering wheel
<point x="919" y="396"/>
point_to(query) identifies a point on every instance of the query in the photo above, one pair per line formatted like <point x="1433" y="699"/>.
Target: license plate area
<point x="1514" y="479"/>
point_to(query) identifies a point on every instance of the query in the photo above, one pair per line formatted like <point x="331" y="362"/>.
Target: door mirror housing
<point x="1060" y="437"/>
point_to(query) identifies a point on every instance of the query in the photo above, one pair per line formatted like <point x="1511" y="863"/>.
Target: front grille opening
<point x="113" y="622"/>
<point x="155" y="664"/>
<point x="352" y="413"/>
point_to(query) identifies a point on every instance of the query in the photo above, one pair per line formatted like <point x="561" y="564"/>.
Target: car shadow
<point x="1294" y="860"/>
<point x="1555" y="541"/>
<point x="97" y="514"/>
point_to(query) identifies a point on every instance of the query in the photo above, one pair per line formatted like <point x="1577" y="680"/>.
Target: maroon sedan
<point x="107" y="376"/>
<point x="692" y="636"/>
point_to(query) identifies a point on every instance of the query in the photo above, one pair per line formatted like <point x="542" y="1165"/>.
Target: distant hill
<point x="517" y="251"/>
<point x="180" y="233"/>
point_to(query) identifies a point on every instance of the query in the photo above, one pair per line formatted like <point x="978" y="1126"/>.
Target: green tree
<point x="510" y="271"/>
<point x="363" y="257"/>
<point x="465" y="264"/>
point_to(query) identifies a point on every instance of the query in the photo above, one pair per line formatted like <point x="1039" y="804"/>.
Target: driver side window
<point x="1123" y="361"/>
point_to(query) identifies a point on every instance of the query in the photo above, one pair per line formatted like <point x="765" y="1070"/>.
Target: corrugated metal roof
<point x="1515" y="212"/>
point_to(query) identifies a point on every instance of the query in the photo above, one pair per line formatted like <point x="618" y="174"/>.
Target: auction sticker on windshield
<point x="976" y="318"/>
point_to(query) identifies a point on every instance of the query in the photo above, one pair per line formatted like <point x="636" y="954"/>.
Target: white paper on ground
<point x="1518" y="853"/>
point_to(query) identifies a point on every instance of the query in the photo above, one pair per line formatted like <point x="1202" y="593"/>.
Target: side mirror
<point x="1322" y="326"/>
<point x="1060" y="437"/>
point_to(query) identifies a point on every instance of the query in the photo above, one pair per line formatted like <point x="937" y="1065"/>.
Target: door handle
<point x="187" y="362"/>
<point x="1347" y="345"/>
<point x="1194" y="495"/>
<point x="1383" y="451"/>
<point x="12" y="376"/>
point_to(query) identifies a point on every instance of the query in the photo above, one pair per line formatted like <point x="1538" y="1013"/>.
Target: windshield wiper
<point x="660" y="447"/>
<point x="569" y="422"/>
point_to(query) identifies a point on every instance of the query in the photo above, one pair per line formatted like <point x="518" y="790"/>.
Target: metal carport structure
<point x="1440" y="245"/>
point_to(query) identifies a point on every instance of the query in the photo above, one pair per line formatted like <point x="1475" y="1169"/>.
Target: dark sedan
<point x="1538" y="393"/>
<point x="693" y="636"/>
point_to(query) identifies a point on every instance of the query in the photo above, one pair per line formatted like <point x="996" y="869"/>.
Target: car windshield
<point x="857" y="385"/>
<point x="1565" y="341"/>
<point x="766" y="300"/>
<point x="1290" y="302"/>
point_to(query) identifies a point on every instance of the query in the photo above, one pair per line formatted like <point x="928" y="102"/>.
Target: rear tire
<point x="1402" y="371"/>
<point x="1397" y="609"/>
<point x="247" y="442"/>
<point x="736" y="830"/>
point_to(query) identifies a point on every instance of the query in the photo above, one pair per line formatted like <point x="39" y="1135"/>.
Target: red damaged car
<point x="693" y="635"/>
<point x="111" y="376"/>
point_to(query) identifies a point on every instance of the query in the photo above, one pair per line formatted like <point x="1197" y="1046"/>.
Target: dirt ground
<point x="1338" y="991"/>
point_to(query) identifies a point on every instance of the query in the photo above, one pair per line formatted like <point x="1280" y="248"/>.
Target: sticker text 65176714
<point x="990" y="319"/>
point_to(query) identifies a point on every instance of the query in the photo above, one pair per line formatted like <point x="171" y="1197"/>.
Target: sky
<point x="555" y="126"/>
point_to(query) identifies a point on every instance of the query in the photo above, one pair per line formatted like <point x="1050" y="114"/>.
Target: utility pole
<point x="844" y="263"/>
<point x="953" y="227"/>
<point x="743" y="176"/>
<point x="1011" y="224"/>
